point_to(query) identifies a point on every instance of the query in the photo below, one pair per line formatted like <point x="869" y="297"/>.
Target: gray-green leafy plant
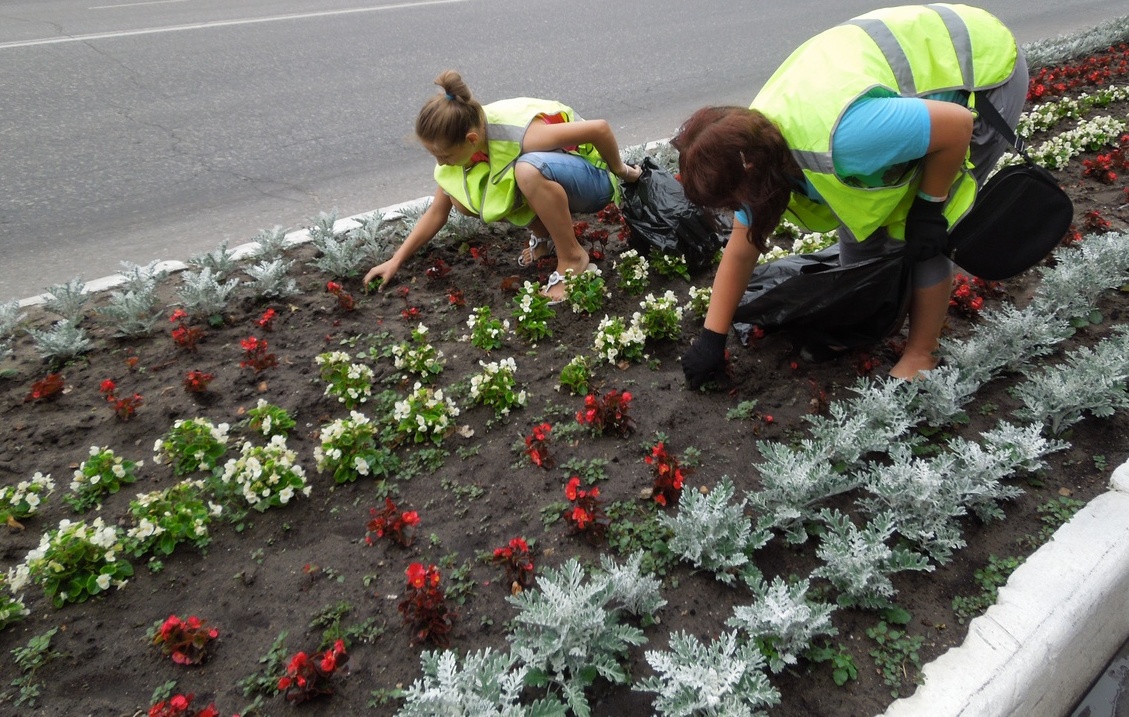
<point x="715" y="679"/>
<point x="793" y="482"/>
<point x="713" y="533"/>
<point x="270" y="279"/>
<point x="782" y="621"/>
<point x="378" y="235"/>
<point x="568" y="631"/>
<point x="1090" y="380"/>
<point x="131" y="314"/>
<point x="272" y="244"/>
<point x="488" y="683"/>
<point x="220" y="260"/>
<point x="141" y="279"/>
<point x="63" y="342"/>
<point x="340" y="256"/>
<point x="859" y="562"/>
<point x="10" y="318"/>
<point x="68" y="300"/>
<point x="203" y="295"/>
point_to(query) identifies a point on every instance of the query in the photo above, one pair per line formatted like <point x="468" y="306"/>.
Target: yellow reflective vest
<point x="907" y="51"/>
<point x="489" y="189"/>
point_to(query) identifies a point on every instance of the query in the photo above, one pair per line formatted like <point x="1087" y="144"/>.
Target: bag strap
<point x="989" y="112"/>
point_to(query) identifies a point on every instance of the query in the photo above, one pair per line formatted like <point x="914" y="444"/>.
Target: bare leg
<point x="549" y="201"/>
<point x="928" y="308"/>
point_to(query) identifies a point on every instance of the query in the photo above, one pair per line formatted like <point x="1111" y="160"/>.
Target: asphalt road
<point x="140" y="130"/>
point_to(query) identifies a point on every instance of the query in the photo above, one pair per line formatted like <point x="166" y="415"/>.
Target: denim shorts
<point x="588" y="187"/>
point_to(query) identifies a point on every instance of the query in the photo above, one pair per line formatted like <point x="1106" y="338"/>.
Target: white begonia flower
<point x="285" y="495"/>
<point x="118" y="470"/>
<point x="103" y="581"/>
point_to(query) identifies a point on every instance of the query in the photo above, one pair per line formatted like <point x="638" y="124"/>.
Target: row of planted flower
<point x="708" y="531"/>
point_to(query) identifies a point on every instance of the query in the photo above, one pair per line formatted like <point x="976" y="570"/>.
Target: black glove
<point x="705" y="359"/>
<point x="927" y="231"/>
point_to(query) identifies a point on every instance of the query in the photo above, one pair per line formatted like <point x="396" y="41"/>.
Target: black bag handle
<point x="989" y="112"/>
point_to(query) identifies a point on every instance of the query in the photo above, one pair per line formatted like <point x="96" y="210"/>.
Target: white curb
<point x="1059" y="620"/>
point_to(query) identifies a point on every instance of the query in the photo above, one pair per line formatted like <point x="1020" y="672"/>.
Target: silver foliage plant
<point x="568" y="629"/>
<point x="10" y="318"/>
<point x="203" y="295"/>
<point x="720" y="678"/>
<point x="713" y="533"/>
<point x="61" y="343"/>
<point x="859" y="562"/>
<point x="793" y="482"/>
<point x="782" y="621"/>
<point x="346" y="255"/>
<point x="220" y="260"/>
<point x="1090" y="381"/>
<point x="141" y="280"/>
<point x="131" y="313"/>
<point x="270" y="279"/>
<point x="488" y="684"/>
<point x="272" y="244"/>
<point x="68" y="300"/>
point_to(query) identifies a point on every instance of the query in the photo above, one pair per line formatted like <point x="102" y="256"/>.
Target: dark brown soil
<point x="288" y="565"/>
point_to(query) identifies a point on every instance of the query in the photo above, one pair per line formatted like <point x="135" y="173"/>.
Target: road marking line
<point x="219" y="23"/>
<point x="134" y="4"/>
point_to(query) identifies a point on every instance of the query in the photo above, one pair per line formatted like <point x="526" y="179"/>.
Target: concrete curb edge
<point x="1061" y="617"/>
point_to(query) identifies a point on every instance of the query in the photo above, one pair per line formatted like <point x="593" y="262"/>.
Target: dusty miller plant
<point x="272" y="244"/>
<point x="140" y="279"/>
<point x="68" y="300"/>
<point x="793" y="482"/>
<point x="1080" y="274"/>
<point x="635" y="592"/>
<point x="10" y="318"/>
<point x="859" y="562"/>
<point x="926" y="497"/>
<point x="1089" y="380"/>
<point x="461" y="227"/>
<point x="484" y="686"/>
<point x="61" y="343"/>
<point x="339" y="256"/>
<point x="219" y="260"/>
<point x="567" y="631"/>
<point x="203" y="295"/>
<point x="270" y="279"/>
<point x="715" y="679"/>
<point x="378" y="236"/>
<point x="782" y="621"/>
<point x="713" y="533"/>
<point x="131" y="313"/>
<point x="877" y="415"/>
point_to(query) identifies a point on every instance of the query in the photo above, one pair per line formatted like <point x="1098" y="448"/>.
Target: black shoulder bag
<point x="1020" y="215"/>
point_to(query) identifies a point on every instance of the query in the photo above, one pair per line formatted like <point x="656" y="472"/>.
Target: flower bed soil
<point x="280" y="569"/>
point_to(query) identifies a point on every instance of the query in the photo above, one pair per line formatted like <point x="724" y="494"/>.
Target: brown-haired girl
<point x="528" y="161"/>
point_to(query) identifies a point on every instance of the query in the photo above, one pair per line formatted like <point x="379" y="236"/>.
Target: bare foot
<point x="910" y="366"/>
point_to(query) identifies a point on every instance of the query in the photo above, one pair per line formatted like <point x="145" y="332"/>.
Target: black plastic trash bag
<point x="661" y="218"/>
<point x="811" y="296"/>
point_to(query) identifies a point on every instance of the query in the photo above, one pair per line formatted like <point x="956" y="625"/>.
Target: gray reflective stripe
<point x="505" y="132"/>
<point x="962" y="40"/>
<point x="815" y="161"/>
<point x="880" y="33"/>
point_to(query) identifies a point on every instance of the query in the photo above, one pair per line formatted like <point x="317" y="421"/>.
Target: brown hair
<point x="446" y="119"/>
<point x="733" y="157"/>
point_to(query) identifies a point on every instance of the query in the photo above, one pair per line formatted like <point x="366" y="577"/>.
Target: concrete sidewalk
<point x="1057" y="623"/>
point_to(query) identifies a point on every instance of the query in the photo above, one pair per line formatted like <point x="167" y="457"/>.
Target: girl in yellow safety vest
<point x="867" y="128"/>
<point x="527" y="161"/>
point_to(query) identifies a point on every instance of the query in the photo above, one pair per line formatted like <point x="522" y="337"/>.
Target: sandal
<point x="557" y="278"/>
<point x="529" y="257"/>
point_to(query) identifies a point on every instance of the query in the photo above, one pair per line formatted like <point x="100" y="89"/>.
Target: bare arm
<point x="950" y="132"/>
<point x="433" y="219"/>
<point x="543" y="137"/>
<point x="732" y="278"/>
